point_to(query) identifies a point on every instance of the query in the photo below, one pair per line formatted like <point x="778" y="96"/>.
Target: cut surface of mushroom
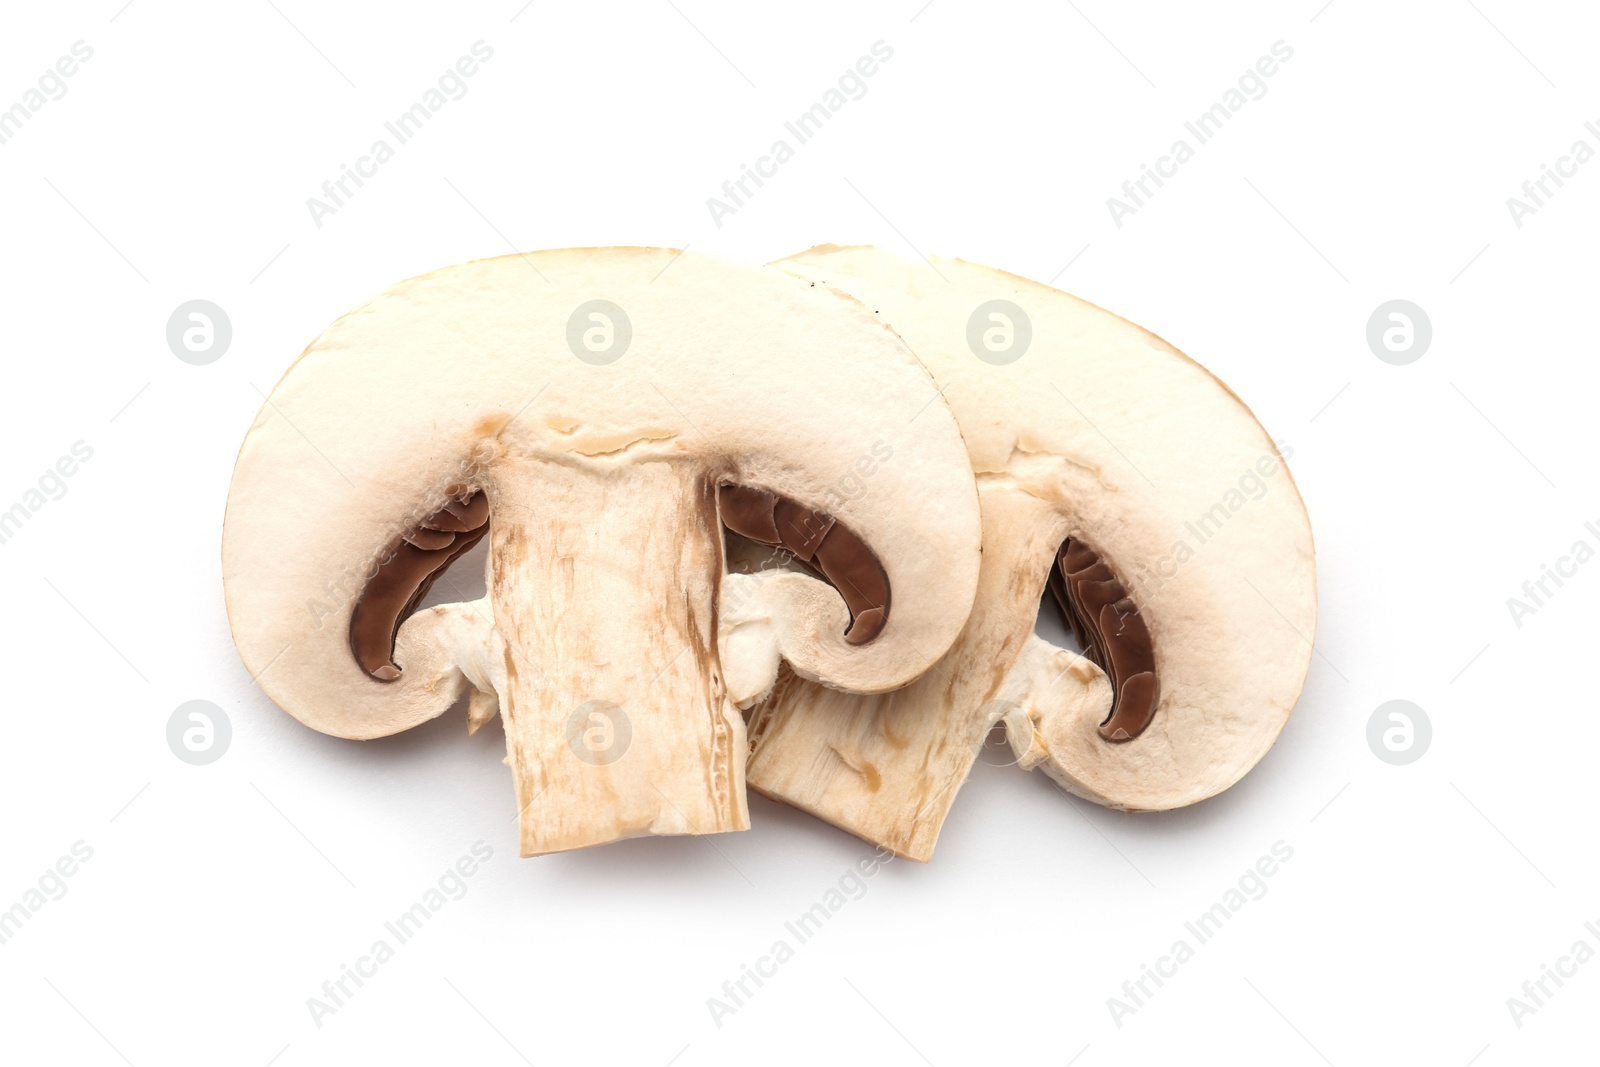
<point x="596" y="418"/>
<point x="1143" y="493"/>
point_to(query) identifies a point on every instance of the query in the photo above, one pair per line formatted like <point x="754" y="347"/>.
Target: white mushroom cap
<point x="1102" y="432"/>
<point x="751" y="376"/>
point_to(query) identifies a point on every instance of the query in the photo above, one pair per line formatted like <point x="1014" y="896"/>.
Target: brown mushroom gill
<point x="817" y="539"/>
<point x="408" y="571"/>
<point x="1106" y="623"/>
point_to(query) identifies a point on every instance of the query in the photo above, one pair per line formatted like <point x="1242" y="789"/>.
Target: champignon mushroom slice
<point x="613" y="643"/>
<point x="1145" y="494"/>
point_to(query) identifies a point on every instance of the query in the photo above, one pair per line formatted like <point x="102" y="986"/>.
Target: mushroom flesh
<point x="1137" y="487"/>
<point x="598" y="415"/>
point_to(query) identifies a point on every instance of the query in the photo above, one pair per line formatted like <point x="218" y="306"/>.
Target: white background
<point x="1377" y="166"/>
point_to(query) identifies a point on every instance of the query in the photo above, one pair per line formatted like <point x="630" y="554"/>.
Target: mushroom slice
<point x="597" y="417"/>
<point x="1147" y="497"/>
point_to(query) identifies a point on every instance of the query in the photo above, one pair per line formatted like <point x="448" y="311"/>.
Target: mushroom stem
<point x="603" y="578"/>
